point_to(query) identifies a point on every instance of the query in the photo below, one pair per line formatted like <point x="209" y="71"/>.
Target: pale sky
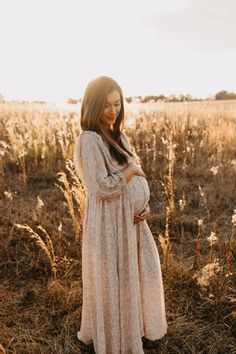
<point x="51" y="49"/>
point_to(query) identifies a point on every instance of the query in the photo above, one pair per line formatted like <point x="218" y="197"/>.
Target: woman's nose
<point x="113" y="109"/>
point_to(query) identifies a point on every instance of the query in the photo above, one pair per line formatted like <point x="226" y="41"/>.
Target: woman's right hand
<point x="139" y="171"/>
<point x="131" y="170"/>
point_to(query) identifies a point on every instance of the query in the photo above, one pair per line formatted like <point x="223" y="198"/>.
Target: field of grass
<point x="188" y="151"/>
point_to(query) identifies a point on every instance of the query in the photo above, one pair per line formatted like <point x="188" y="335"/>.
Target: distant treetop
<point x="225" y="95"/>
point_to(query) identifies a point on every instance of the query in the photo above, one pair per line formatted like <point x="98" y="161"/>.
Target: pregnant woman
<point x="123" y="309"/>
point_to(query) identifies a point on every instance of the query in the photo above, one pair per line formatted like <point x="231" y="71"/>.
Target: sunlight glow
<point x="51" y="50"/>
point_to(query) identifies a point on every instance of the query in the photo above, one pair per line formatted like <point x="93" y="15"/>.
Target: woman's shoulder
<point x="92" y="132"/>
<point x="89" y="132"/>
<point x="89" y="135"/>
<point x="89" y="138"/>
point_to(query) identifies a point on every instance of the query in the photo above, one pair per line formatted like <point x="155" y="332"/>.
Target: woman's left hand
<point x="145" y="214"/>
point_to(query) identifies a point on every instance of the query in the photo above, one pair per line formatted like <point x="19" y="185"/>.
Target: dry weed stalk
<point x="46" y="245"/>
<point x="64" y="142"/>
<point x="3" y="152"/>
<point x="2" y="350"/>
<point x="197" y="244"/>
<point x="212" y="239"/>
<point x="38" y="208"/>
<point x="229" y="257"/>
<point x="76" y="191"/>
<point x="169" y="184"/>
<point x="229" y="246"/>
<point x="182" y="205"/>
<point x="203" y="197"/>
<point x="165" y="241"/>
<point x="21" y="158"/>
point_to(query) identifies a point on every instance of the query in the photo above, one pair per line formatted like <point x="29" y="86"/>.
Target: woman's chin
<point x="109" y="123"/>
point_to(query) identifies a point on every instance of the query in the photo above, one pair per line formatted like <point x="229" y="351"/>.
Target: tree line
<point x="221" y="95"/>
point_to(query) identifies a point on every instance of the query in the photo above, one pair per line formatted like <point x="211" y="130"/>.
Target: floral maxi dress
<point x="123" y="295"/>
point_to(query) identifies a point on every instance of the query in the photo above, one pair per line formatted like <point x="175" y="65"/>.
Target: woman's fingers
<point x="137" y="219"/>
<point x="146" y="212"/>
<point x="139" y="171"/>
<point x="141" y="218"/>
<point x="144" y="215"/>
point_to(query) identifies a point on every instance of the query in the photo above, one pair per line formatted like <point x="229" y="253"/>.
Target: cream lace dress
<point x="123" y="296"/>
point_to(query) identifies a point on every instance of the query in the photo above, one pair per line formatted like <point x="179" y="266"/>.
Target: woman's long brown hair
<point x="93" y="104"/>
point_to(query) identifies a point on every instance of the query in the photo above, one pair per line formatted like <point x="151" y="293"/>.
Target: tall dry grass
<point x="188" y="152"/>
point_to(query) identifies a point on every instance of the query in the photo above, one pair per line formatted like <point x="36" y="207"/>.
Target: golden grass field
<point x="188" y="151"/>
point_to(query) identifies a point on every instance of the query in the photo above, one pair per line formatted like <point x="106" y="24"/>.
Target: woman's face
<point x="111" y="110"/>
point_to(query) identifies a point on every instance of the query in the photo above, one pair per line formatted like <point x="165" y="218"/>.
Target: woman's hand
<point x="145" y="214"/>
<point x="139" y="171"/>
<point x="131" y="170"/>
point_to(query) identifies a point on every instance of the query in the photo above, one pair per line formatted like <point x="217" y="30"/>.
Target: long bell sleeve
<point x="91" y="167"/>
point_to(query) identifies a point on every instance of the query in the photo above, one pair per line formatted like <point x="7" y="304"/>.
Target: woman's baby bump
<point x="140" y="192"/>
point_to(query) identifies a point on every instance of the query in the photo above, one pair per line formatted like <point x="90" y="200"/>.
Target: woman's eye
<point x="117" y="104"/>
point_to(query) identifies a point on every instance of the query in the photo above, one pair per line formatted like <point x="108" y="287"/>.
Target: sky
<point x="51" y="49"/>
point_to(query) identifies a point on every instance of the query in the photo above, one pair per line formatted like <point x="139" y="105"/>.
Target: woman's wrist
<point x="131" y="163"/>
<point x="133" y="167"/>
